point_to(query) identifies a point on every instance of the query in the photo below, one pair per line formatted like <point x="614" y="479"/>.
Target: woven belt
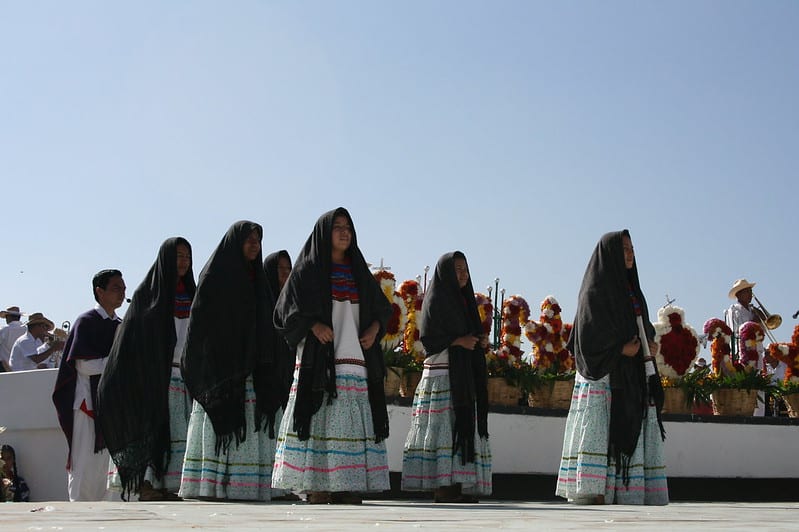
<point x="351" y="361"/>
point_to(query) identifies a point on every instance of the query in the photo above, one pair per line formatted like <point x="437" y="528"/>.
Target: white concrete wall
<point x="27" y="412"/>
<point x="519" y="444"/>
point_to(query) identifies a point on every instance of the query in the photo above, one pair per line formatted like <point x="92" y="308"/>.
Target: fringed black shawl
<point x="449" y="312"/>
<point x="306" y="299"/>
<point x="604" y="322"/>
<point x="229" y="337"/>
<point x="133" y="398"/>
<point x="284" y="358"/>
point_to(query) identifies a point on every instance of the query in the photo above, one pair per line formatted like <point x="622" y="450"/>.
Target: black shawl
<point x="133" y="396"/>
<point x="306" y="299"/>
<point x="229" y="337"/>
<point x="449" y="312"/>
<point x="284" y="359"/>
<point x="604" y="322"/>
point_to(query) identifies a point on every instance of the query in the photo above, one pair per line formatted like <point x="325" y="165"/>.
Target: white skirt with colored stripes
<point x="427" y="460"/>
<point x="341" y="453"/>
<point x="587" y="471"/>
<point x="243" y="473"/>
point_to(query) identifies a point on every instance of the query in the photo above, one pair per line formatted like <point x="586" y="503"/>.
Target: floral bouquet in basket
<point x="550" y="359"/>
<point x="742" y="373"/>
<point x="507" y="361"/>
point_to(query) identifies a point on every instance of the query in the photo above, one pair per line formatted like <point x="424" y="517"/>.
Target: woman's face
<point x="252" y="246"/>
<point x="283" y="271"/>
<point x="461" y="272"/>
<point x="342" y="234"/>
<point x="629" y="252"/>
<point x="184" y="259"/>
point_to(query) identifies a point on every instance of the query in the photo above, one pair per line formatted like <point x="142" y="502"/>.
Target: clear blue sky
<point x="516" y="131"/>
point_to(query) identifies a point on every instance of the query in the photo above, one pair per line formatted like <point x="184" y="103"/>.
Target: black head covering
<point x="132" y="400"/>
<point x="448" y="312"/>
<point x="306" y="299"/>
<point x="230" y="337"/>
<point x="284" y="355"/>
<point x="605" y="321"/>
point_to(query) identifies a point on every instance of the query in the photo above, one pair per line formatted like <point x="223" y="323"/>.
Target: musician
<point x="739" y="313"/>
<point x="30" y="351"/>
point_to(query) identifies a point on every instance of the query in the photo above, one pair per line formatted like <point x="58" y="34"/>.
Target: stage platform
<point x="380" y="515"/>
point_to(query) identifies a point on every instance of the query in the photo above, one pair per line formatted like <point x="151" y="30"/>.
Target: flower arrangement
<point x="729" y="374"/>
<point x="411" y="294"/>
<point x="789" y="354"/>
<point x="549" y="338"/>
<point x="399" y="316"/>
<point x="486" y="311"/>
<point x="719" y="334"/>
<point x="678" y="344"/>
<point x="395" y="327"/>
<point x="751" y="338"/>
<point x="507" y="359"/>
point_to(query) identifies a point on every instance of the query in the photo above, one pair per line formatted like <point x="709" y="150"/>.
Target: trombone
<point x="767" y="320"/>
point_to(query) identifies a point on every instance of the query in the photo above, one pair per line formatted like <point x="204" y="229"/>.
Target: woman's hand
<point x="483" y="341"/>
<point x="322" y="332"/>
<point x="467" y="342"/>
<point x="631" y="348"/>
<point x="368" y="337"/>
<point x="653" y="349"/>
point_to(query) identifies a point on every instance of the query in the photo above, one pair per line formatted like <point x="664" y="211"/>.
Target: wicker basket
<point x="553" y="395"/>
<point x="410" y="380"/>
<point x="675" y="401"/>
<point x="391" y="386"/>
<point x="792" y="402"/>
<point x="733" y="402"/>
<point x="502" y="393"/>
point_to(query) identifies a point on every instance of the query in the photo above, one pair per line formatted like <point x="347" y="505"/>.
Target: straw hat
<point x="739" y="285"/>
<point x="14" y="311"/>
<point x="37" y="318"/>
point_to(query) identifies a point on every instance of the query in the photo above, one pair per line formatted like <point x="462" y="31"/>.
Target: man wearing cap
<point x="75" y="394"/>
<point x="9" y="334"/>
<point x="30" y="351"/>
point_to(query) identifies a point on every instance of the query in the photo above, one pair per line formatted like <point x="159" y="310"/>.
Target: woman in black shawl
<point x="277" y="267"/>
<point x="447" y="450"/>
<point x="331" y="442"/>
<point x="143" y="399"/>
<point x="227" y="365"/>
<point x="613" y="443"/>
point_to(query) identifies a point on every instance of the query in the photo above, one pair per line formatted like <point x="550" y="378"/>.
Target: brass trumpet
<point x="768" y="320"/>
